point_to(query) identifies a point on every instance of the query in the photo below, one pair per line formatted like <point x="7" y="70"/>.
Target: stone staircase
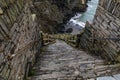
<point x="59" y="61"/>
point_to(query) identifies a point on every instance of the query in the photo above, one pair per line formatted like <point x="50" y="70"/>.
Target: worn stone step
<point x="106" y="78"/>
<point x="70" y="64"/>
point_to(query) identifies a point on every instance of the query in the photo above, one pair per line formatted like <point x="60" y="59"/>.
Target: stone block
<point x="106" y="78"/>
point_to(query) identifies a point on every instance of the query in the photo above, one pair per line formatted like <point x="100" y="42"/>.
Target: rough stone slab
<point x="117" y="76"/>
<point x="106" y="78"/>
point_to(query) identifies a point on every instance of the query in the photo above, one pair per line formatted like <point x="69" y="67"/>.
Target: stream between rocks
<point x="77" y="23"/>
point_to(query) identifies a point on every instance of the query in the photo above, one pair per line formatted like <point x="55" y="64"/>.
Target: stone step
<point x="106" y="78"/>
<point x="62" y="62"/>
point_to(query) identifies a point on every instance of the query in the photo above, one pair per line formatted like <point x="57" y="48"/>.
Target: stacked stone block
<point x="102" y="36"/>
<point x="19" y="39"/>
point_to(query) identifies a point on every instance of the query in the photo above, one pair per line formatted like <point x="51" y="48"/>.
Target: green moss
<point x="31" y="72"/>
<point x="42" y="50"/>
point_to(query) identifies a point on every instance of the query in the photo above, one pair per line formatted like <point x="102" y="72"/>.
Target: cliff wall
<point x="53" y="14"/>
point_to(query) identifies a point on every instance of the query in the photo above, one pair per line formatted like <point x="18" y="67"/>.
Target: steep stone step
<point x="60" y="61"/>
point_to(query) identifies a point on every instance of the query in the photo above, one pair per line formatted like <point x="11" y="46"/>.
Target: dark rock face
<point x="69" y="30"/>
<point x="52" y="14"/>
<point x="103" y="35"/>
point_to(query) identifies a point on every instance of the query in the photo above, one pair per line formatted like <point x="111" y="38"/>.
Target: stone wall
<point x="19" y="39"/>
<point x="102" y="36"/>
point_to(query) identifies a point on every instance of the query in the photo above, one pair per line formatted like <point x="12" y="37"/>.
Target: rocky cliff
<point x="54" y="13"/>
<point x="103" y="35"/>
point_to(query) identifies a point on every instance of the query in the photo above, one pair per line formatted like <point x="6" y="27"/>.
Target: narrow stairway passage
<point x="59" y="61"/>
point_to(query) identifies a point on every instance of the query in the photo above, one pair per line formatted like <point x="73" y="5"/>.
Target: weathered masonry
<point x="19" y="38"/>
<point x="103" y="35"/>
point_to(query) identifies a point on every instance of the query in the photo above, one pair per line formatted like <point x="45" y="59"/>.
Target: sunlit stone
<point x="33" y="17"/>
<point x="1" y="11"/>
